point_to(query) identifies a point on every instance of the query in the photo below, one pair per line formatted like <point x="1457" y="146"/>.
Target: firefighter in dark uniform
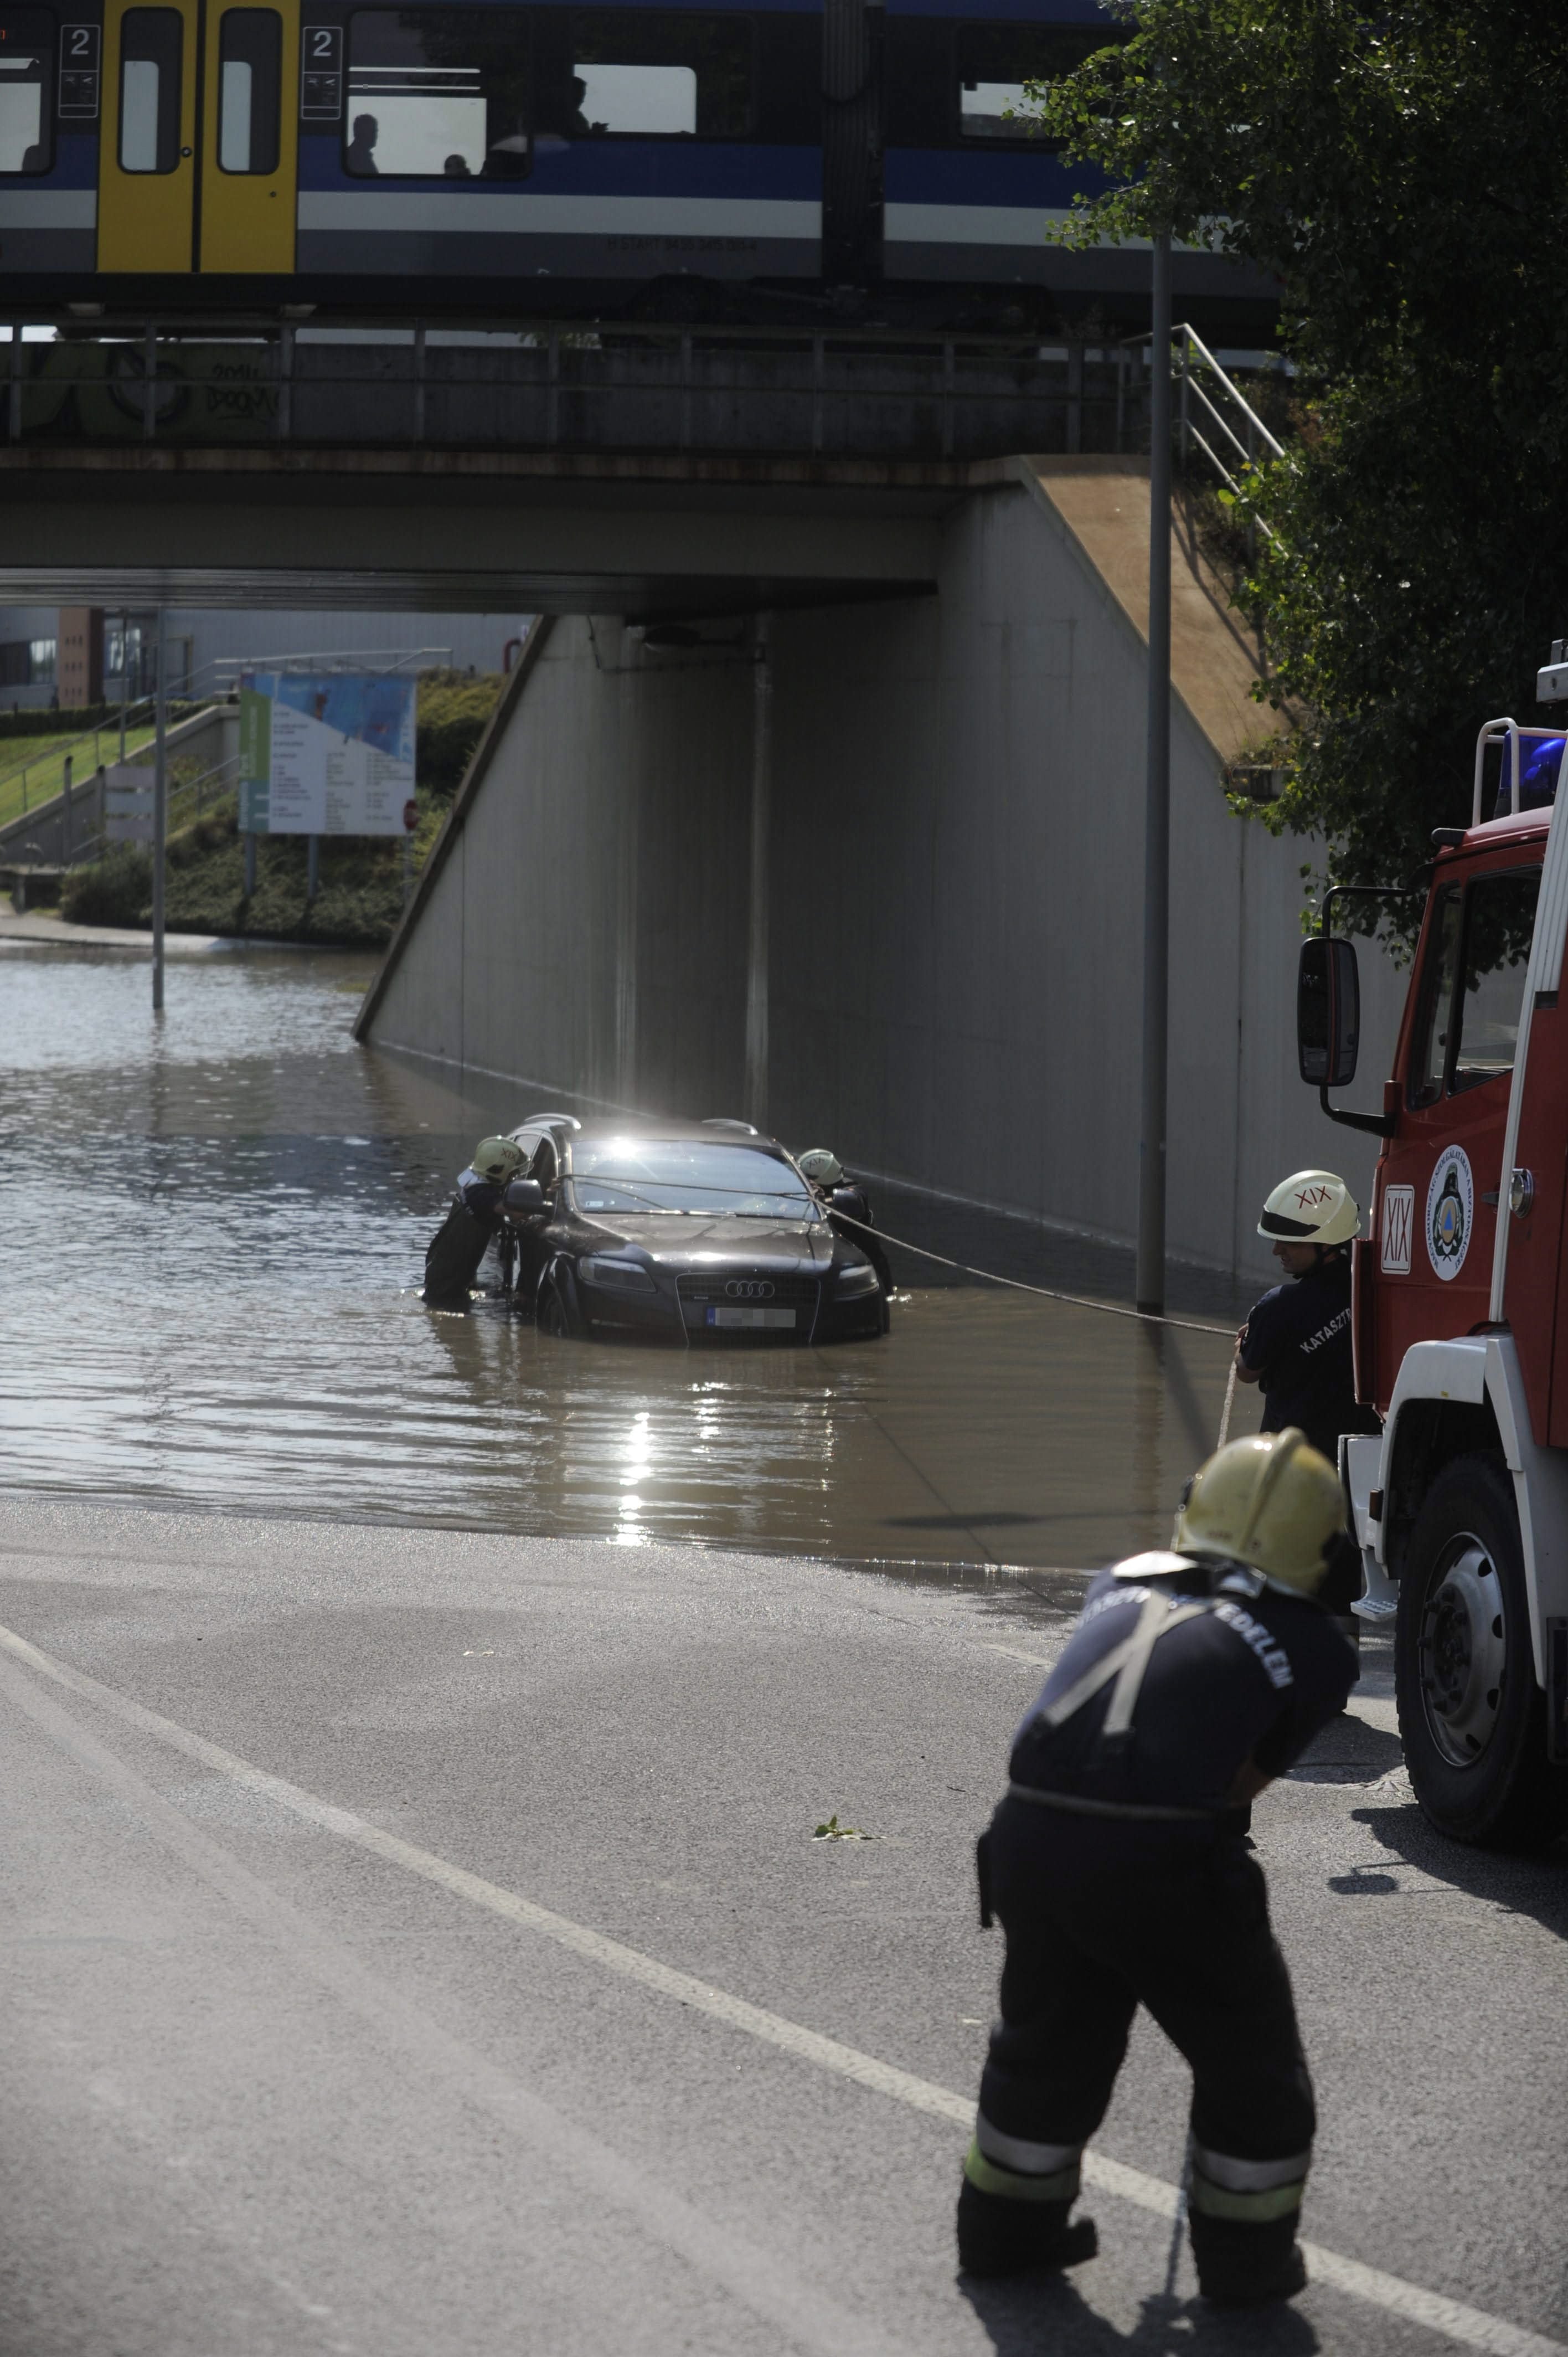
<point x="1296" y="1342"/>
<point x="848" y="1209"/>
<point x="1119" y="1866"/>
<point x="453" y="1254"/>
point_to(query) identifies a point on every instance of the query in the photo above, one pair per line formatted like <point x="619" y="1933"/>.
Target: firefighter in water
<point x="1119" y="1866"/>
<point x="848" y="1208"/>
<point x="453" y="1254"/>
<point x="1296" y="1342"/>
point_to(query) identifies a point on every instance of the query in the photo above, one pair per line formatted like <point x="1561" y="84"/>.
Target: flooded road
<point x="214" y="1233"/>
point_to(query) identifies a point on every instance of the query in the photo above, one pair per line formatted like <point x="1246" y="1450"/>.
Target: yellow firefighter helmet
<point x="1272" y="1502"/>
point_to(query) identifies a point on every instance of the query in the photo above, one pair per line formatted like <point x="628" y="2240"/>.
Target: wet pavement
<point x="215" y="1228"/>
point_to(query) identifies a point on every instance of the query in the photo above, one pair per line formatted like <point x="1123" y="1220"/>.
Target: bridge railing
<point x="634" y="388"/>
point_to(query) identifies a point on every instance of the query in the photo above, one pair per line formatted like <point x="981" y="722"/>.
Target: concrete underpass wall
<point x="588" y="930"/>
<point x="955" y="877"/>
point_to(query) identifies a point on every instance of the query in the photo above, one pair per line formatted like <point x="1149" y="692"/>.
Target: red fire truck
<point x="1460" y="1299"/>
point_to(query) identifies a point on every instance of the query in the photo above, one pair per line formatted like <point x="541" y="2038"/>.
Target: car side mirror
<point x="523" y="1197"/>
<point x="1327" y="1012"/>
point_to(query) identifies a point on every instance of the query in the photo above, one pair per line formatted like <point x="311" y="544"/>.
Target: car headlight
<point x="856" y="1280"/>
<point x="616" y="1275"/>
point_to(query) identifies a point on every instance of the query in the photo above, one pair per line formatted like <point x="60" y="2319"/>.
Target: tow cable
<point x="1075" y="1300"/>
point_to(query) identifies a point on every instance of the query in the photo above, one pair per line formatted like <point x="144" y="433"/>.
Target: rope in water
<point x="1078" y="1301"/>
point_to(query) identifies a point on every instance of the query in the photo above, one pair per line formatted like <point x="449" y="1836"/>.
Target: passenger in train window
<point x="452" y="92"/>
<point x="640" y="73"/>
<point x="358" y="155"/>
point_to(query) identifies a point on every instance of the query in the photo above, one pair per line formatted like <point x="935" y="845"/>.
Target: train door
<point x="198" y="168"/>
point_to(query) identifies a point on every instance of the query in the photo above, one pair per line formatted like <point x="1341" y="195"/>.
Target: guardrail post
<point x="818" y="387"/>
<point x="14" y="427"/>
<point x="285" y="383"/>
<point x="65" y="810"/>
<point x="1075" y="397"/>
<point x="949" y="386"/>
<point x="418" y="394"/>
<point x="553" y="399"/>
<point x="686" y="393"/>
<point x="150" y="384"/>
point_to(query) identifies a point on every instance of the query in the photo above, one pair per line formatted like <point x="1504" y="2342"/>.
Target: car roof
<point x="572" y="1132"/>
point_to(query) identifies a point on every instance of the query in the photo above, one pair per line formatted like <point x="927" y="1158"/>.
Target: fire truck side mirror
<point x="1327" y="1013"/>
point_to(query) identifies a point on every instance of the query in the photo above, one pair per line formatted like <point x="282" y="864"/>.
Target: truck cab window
<point x="27" y="51"/>
<point x="996" y="63"/>
<point x="439" y="94"/>
<point x="640" y="73"/>
<point x="1500" y="923"/>
<point x="1434" y="1020"/>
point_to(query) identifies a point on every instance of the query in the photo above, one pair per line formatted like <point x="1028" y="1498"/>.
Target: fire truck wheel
<point x="1471" y="1715"/>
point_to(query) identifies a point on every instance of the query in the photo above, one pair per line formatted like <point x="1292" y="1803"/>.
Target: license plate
<point x="750" y="1316"/>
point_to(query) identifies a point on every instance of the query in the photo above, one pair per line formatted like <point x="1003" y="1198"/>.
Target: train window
<point x="996" y="63"/>
<point x="249" y="56"/>
<point x="151" y="43"/>
<point x="439" y="93"/>
<point x="646" y="73"/>
<point x="27" y="51"/>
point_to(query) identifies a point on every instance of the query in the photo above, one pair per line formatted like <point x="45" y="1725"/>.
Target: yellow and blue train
<point x="556" y="159"/>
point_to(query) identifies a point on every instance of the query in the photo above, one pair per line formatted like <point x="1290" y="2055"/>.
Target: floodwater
<point x="214" y="1226"/>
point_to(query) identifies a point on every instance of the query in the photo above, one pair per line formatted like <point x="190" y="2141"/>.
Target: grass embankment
<point x="43" y="759"/>
<point x="361" y="895"/>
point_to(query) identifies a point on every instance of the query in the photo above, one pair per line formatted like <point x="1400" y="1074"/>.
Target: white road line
<point x="1017" y="1653"/>
<point x="779" y="2293"/>
<point x="1471" y="2326"/>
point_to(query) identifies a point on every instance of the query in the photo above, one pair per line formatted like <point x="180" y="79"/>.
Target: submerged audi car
<point x="703" y="1233"/>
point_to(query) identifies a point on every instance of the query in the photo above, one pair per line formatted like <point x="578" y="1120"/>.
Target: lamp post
<point x="160" y="812"/>
<point x="1150" y="1291"/>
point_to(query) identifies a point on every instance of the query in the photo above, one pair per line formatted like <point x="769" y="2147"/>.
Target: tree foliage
<point x="1400" y="171"/>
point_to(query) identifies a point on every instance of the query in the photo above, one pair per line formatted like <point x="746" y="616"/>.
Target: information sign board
<point x="128" y="803"/>
<point x="325" y="752"/>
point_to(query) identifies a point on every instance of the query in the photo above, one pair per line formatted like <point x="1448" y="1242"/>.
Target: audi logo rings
<point x="748" y="1290"/>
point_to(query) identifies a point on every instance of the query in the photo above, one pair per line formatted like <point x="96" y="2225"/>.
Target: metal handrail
<point x="1192" y="361"/>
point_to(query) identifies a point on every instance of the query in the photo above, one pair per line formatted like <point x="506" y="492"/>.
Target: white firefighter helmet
<point x="1272" y="1503"/>
<point x="498" y="1158"/>
<point x="1310" y="1207"/>
<point x="823" y="1169"/>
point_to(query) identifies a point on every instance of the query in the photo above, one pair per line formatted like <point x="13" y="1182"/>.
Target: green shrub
<point x="454" y="710"/>
<point x="114" y="890"/>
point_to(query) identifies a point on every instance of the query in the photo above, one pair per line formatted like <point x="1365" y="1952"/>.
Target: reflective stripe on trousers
<point x="1020" y="2170"/>
<point x="1249" y="2192"/>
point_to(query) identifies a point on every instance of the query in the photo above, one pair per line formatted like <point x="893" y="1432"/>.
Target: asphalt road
<point x="525" y="2012"/>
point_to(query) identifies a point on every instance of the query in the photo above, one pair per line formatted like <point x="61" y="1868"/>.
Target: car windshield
<point x="660" y="1174"/>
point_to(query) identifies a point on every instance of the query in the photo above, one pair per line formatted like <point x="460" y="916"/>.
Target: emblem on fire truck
<point x="1450" y="1207"/>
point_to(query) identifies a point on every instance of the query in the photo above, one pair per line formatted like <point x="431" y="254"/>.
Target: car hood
<point x="786" y="1249"/>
